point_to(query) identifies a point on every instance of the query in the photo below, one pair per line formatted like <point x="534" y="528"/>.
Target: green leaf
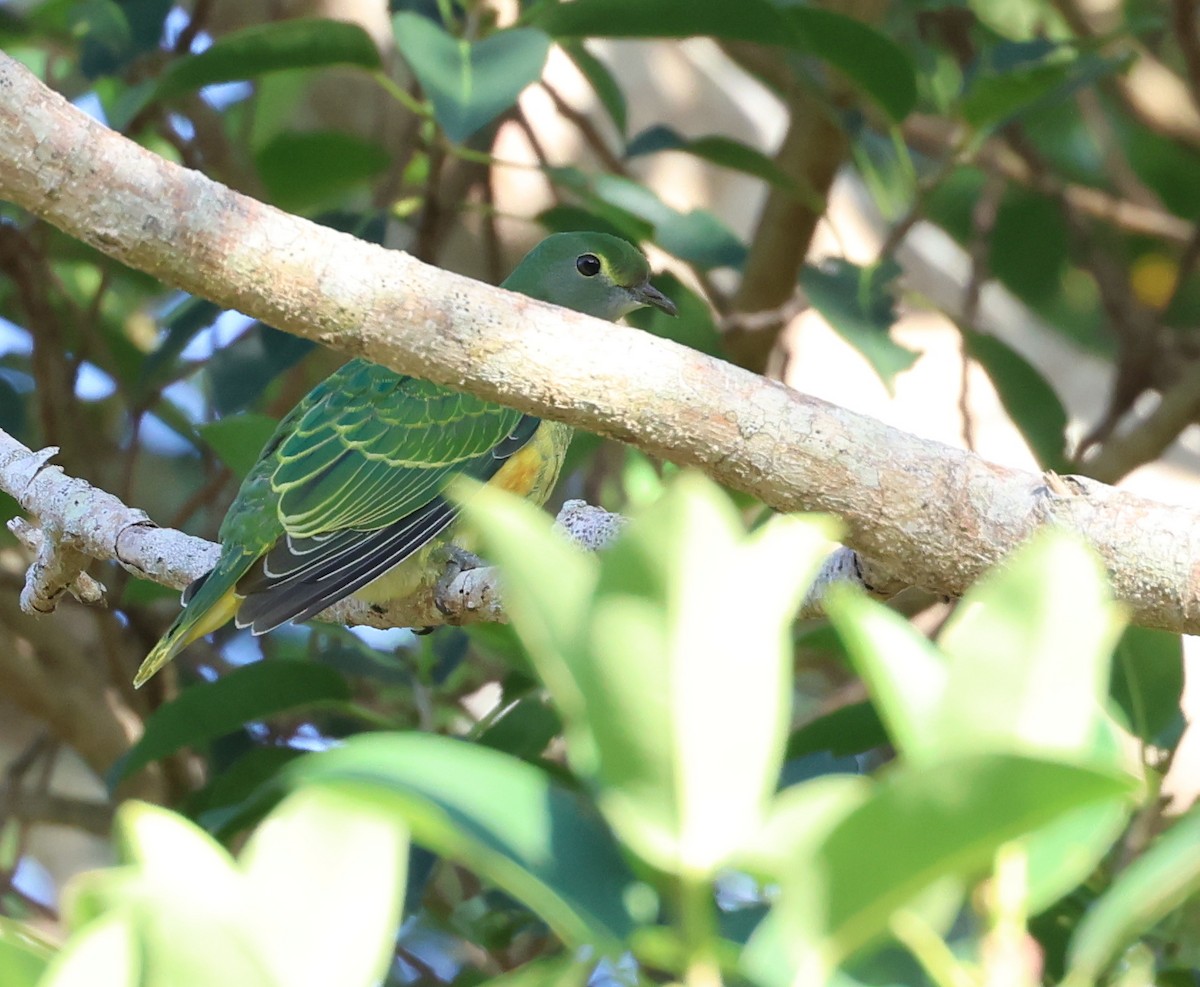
<point x="212" y="709"/>
<point x="850" y="730"/>
<point x="325" y="878"/>
<point x="240" y="373"/>
<point x="23" y="955"/>
<point x="501" y="817"/>
<point x="176" y="877"/>
<point x="1147" y="684"/>
<point x="1031" y="403"/>
<point x="239" y="439"/>
<point x="1022" y="677"/>
<point x="647" y="643"/>
<point x="303" y="171"/>
<point x="601" y="218"/>
<point x="316" y="899"/>
<point x="921" y="826"/>
<point x="469" y="83"/>
<point x="992" y="100"/>
<point x="857" y="303"/>
<point x="1145" y="892"/>
<point x="606" y="87"/>
<point x="555" y="971"/>
<point x="1017" y="19"/>
<point x="722" y="151"/>
<point x="1027" y="248"/>
<point x="523" y="729"/>
<point x="869" y="58"/>
<point x="752" y="20"/>
<point x="905" y="674"/>
<point x="273" y="47"/>
<point x="237" y="783"/>
<point x="108" y="944"/>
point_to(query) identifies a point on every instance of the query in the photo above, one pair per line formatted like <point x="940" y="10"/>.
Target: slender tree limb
<point x="934" y="134"/>
<point x="935" y="514"/>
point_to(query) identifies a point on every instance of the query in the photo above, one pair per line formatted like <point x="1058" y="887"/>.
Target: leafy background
<point x="975" y="219"/>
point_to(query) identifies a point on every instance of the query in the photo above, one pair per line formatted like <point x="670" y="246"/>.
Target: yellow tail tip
<point x="188" y="627"/>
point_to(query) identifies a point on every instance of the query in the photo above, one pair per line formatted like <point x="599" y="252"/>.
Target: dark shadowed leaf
<point x="524" y="729"/>
<point x="564" y="219"/>
<point x="209" y="710"/>
<point x="1147" y="683"/>
<point x="239" y="439"/>
<point x="469" y="83"/>
<point x="304" y="170"/>
<point x="1027" y="396"/>
<point x="850" y="730"/>
<point x="857" y="302"/>
<point x="273" y="47"/>
<point x="1028" y="245"/>
<point x="869" y="58"/>
<point x="184" y="322"/>
<point x="240" y="373"/>
<point x="718" y="150"/>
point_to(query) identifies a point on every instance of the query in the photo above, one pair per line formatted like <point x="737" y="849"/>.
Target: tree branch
<point x="935" y="514"/>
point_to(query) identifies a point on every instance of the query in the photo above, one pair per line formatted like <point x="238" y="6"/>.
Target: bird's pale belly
<point x="530" y="473"/>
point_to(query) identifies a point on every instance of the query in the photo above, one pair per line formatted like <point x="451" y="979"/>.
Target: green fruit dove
<point x="347" y="496"/>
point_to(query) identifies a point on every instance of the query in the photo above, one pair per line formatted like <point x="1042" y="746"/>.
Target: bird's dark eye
<point x="588" y="265"/>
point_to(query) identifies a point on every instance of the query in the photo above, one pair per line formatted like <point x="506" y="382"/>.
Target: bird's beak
<point x="646" y="294"/>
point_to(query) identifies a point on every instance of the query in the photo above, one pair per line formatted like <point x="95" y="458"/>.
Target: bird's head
<point x="593" y="273"/>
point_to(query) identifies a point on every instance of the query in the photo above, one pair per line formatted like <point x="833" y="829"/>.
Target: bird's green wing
<point x="357" y="473"/>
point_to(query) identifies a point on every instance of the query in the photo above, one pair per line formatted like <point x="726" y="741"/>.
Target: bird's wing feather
<point x="359" y="473"/>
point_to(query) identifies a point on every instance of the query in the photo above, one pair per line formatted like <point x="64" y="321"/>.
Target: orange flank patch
<point x="521" y="473"/>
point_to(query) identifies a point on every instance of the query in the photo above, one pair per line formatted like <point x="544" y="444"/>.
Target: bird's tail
<point x="201" y="615"/>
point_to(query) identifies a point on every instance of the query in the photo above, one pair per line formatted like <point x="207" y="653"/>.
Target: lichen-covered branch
<point x="933" y="514"/>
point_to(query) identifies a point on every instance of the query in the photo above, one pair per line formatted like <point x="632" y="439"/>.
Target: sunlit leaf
<point x="921" y="826"/>
<point x="906" y="675"/>
<point x="324" y="884"/>
<point x="1022" y="678"/>
<point x="501" y="817"/>
<point x="1143" y="893"/>
<point x="23" y="954"/>
<point x="649" y="644"/>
